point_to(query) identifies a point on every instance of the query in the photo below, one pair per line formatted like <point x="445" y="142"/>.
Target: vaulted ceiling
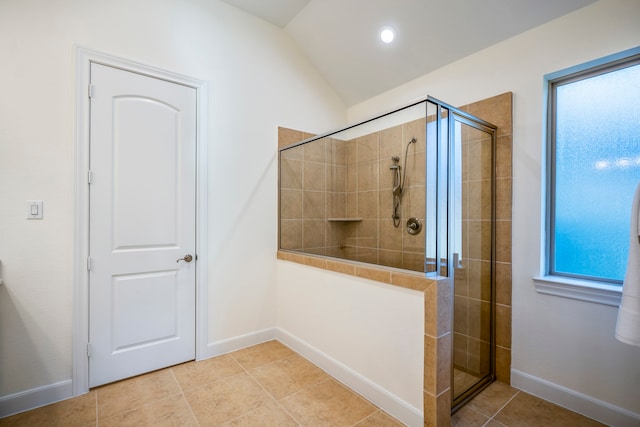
<point x="340" y="37"/>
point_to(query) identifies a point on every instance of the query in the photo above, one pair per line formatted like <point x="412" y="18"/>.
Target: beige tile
<point x="341" y="267"/>
<point x="170" y="411"/>
<point x="313" y="233"/>
<point x="390" y="258"/>
<point x="503" y="198"/>
<point x="496" y="110"/>
<point x="290" y="173"/>
<point x="413" y="201"/>
<point x="415" y="170"/>
<point x="526" y="410"/>
<point x="288" y="136"/>
<point x="314" y="204"/>
<point x="504" y="148"/>
<point x="315" y="151"/>
<point x="260" y="354"/>
<point x="430" y="409"/>
<point x="480" y="160"/>
<point x="368" y="255"/>
<point x="315" y="176"/>
<point x="437" y="409"/>
<point x="390" y="236"/>
<point x="479" y="200"/>
<point x="123" y="396"/>
<point x="443" y="402"/>
<point x="503" y="365"/>
<point x="196" y="374"/>
<point x="468" y="417"/>
<point x="374" y="274"/>
<point x="379" y="419"/>
<point x="368" y="204"/>
<point x="327" y="404"/>
<point x="268" y="415"/>
<point x="390" y="141"/>
<point x="227" y="399"/>
<point x="337" y="178"/>
<point x="503" y="325"/>
<point x="413" y="261"/>
<point x="414" y="129"/>
<point x="503" y="241"/>
<point x="479" y="238"/>
<point x="479" y="279"/>
<point x="291" y="234"/>
<point x="287" y="376"/>
<point x="437" y="363"/>
<point x="386" y="176"/>
<point x="351" y="178"/>
<point x="461" y="315"/>
<point x="336" y="150"/>
<point x="411" y="281"/>
<point x="290" y="204"/>
<point x="479" y="319"/>
<point x="368" y="148"/>
<point x="492" y="398"/>
<point x="368" y="176"/>
<point x="315" y="262"/>
<point x="503" y="283"/>
<point x="290" y="256"/>
<point x="79" y="411"/>
<point x="445" y="307"/>
<point x="368" y="233"/>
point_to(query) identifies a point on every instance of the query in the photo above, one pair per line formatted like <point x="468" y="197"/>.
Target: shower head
<point x="413" y="140"/>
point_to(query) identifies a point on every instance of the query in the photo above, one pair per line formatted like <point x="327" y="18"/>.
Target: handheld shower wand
<point x="399" y="182"/>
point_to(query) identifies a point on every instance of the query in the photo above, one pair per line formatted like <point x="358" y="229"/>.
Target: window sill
<point x="582" y="290"/>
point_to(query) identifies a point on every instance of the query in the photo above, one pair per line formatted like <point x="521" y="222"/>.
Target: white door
<point x="142" y="224"/>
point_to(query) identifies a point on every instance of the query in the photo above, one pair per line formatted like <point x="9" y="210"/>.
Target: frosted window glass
<point x="597" y="168"/>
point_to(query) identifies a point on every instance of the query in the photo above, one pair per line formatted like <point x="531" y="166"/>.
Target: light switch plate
<point x="34" y="209"/>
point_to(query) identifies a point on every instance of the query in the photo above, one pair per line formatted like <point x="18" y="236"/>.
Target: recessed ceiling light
<point x="387" y="34"/>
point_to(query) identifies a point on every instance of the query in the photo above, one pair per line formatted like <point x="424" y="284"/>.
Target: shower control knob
<point x="414" y="226"/>
<point x="187" y="258"/>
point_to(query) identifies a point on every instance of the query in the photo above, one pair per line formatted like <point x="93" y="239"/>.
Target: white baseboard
<point x="382" y="398"/>
<point x="34" y="398"/>
<point x="586" y="405"/>
<point x="237" y="343"/>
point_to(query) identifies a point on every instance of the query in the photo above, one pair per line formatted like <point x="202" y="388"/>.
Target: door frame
<point x="80" y="329"/>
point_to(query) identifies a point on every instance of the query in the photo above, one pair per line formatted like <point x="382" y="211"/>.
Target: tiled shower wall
<point x="496" y="110"/>
<point x="472" y="279"/>
<point x="336" y="197"/>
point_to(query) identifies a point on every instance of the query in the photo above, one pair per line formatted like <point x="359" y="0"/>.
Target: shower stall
<point x="412" y="189"/>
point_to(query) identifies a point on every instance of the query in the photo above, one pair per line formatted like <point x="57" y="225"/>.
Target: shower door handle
<point x="187" y="258"/>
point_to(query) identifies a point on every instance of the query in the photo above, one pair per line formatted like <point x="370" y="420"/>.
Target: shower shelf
<point x="344" y="219"/>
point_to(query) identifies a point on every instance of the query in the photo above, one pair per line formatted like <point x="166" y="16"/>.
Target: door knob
<point x="187" y="258"/>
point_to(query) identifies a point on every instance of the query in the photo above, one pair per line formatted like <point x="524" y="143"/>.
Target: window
<point x="593" y="168"/>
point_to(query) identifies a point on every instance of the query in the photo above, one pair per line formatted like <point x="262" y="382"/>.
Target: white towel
<point x="628" y="326"/>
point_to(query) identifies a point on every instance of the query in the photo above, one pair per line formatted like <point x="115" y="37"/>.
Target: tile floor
<point x="266" y="385"/>
<point x="501" y="405"/>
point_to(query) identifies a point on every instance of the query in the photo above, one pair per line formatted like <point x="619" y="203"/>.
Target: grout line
<point x="184" y="396"/>
<point x="501" y="408"/>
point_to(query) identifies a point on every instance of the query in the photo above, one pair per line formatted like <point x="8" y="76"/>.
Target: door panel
<point x="136" y="222"/>
<point x="142" y="219"/>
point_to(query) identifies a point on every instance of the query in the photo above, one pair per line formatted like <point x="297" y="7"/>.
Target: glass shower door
<point x="472" y="236"/>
